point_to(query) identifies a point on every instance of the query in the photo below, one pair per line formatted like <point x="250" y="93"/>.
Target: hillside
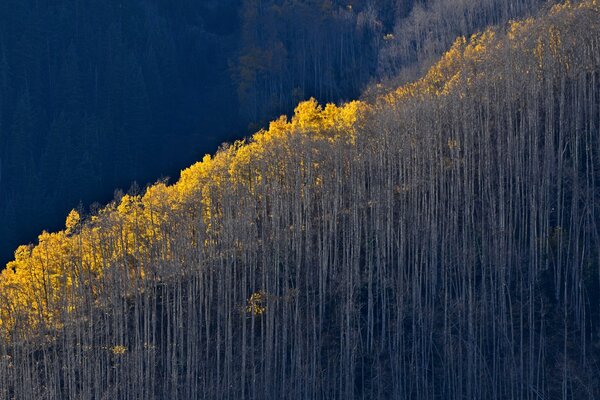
<point x="438" y="240"/>
<point x="98" y="94"/>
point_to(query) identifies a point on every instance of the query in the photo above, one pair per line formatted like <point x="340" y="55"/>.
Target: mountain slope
<point x="155" y="84"/>
<point x="440" y="241"/>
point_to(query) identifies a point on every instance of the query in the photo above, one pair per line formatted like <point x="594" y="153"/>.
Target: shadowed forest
<point x="438" y="238"/>
<point x="95" y="95"/>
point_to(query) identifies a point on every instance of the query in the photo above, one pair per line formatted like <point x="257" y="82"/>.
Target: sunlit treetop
<point x="72" y="222"/>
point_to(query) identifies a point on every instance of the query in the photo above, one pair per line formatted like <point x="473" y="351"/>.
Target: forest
<point x="96" y="95"/>
<point x="436" y="239"/>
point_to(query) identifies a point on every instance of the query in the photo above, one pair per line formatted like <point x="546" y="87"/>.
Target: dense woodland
<point x="95" y="95"/>
<point x="438" y="241"/>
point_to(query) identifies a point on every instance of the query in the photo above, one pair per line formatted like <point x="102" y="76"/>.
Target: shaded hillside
<point x="440" y="242"/>
<point x="97" y="94"/>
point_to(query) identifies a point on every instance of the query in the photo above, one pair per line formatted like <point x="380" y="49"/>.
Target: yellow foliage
<point x="518" y="29"/>
<point x="459" y="67"/>
<point x="308" y="116"/>
<point x="331" y="121"/>
<point x="478" y="45"/>
<point x="256" y="304"/>
<point x="452" y="144"/>
<point x="73" y="220"/>
<point x="128" y="204"/>
<point x="118" y="350"/>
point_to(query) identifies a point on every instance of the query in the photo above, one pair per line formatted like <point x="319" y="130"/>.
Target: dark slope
<point x="97" y="94"/>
